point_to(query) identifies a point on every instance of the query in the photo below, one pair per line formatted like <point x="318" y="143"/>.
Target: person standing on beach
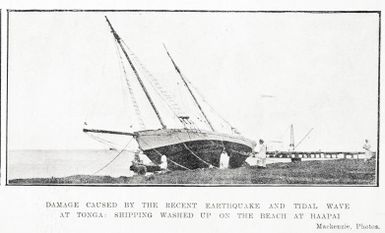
<point x="224" y="160"/>
<point x="262" y="154"/>
<point x="163" y="162"/>
<point x="368" y="152"/>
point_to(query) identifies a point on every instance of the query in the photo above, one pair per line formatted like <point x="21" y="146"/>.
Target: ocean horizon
<point x="62" y="163"/>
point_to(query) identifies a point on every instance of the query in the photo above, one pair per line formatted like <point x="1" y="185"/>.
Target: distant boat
<point x="185" y="148"/>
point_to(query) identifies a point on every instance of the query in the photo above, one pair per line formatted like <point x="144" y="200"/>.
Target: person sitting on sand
<point x="262" y="154"/>
<point x="252" y="160"/>
<point x="368" y="152"/>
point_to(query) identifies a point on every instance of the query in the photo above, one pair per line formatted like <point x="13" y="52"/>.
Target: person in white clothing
<point x="252" y="160"/>
<point x="258" y="159"/>
<point x="163" y="162"/>
<point x="368" y="152"/>
<point x="224" y="160"/>
<point x="262" y="154"/>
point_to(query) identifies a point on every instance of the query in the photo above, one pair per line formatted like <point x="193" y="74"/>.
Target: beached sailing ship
<point x="186" y="147"/>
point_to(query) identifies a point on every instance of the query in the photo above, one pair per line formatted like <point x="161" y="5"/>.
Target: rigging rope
<point x="131" y="91"/>
<point x="101" y="140"/>
<point x="105" y="141"/>
<point x="160" y="154"/>
<point x="212" y="109"/>
<point x="160" y="91"/>
<point x="196" y="156"/>
<point x="120" y="152"/>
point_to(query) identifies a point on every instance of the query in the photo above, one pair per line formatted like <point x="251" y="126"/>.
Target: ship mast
<point x="117" y="38"/>
<point x="189" y="89"/>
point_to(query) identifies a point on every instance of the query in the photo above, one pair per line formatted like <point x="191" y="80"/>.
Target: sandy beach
<point x="326" y="172"/>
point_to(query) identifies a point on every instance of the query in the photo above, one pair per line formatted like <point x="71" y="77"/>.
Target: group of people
<point x="138" y="166"/>
<point x="258" y="159"/>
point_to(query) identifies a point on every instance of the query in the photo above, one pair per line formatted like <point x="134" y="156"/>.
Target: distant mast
<point x="291" y="146"/>
<point x="188" y="88"/>
<point x="117" y="38"/>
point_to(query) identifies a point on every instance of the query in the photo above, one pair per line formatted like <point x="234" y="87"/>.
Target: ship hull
<point x="192" y="149"/>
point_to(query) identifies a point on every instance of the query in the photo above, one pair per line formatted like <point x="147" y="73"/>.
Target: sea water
<point x="62" y="163"/>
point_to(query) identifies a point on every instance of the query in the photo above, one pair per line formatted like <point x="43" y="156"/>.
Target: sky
<point x="260" y="71"/>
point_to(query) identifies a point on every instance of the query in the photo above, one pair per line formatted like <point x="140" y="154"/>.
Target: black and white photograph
<point x="192" y="98"/>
